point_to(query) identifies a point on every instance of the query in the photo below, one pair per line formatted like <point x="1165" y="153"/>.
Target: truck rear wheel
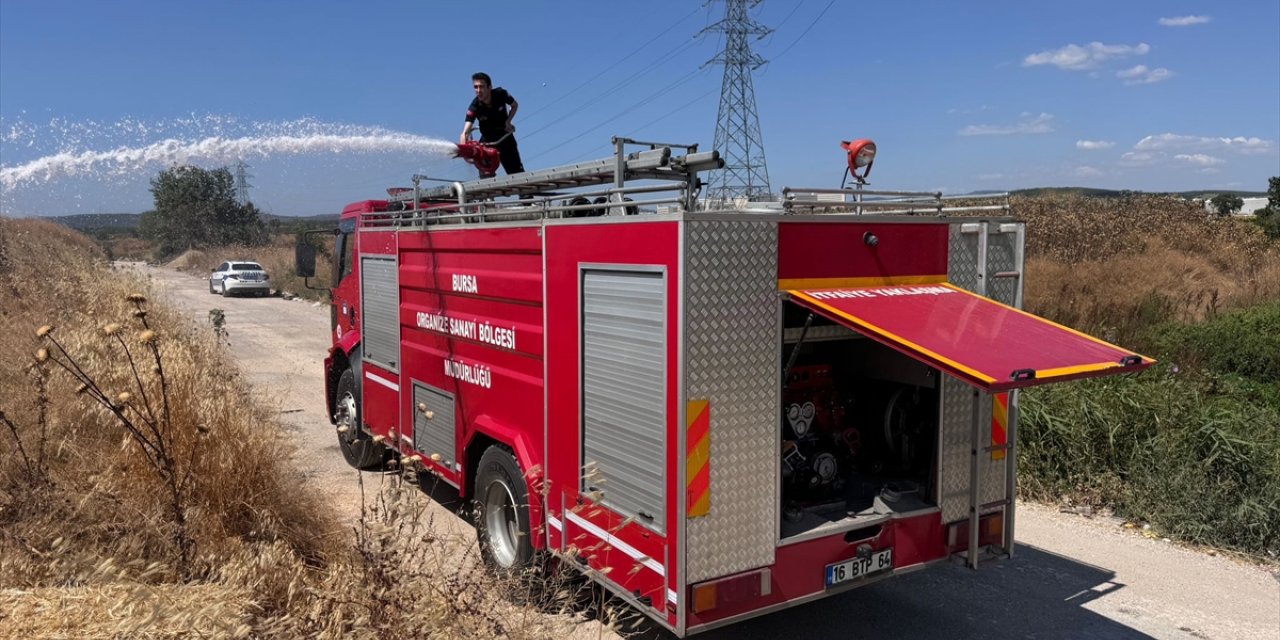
<point x="502" y="510"/>
<point x="357" y="446"/>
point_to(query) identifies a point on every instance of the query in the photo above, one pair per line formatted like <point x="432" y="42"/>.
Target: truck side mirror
<point x="304" y="257"/>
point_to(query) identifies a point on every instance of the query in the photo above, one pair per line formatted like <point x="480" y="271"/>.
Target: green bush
<point x="1245" y="342"/>
<point x="1198" y="456"/>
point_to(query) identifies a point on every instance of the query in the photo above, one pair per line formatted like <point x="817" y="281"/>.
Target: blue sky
<point x="959" y="96"/>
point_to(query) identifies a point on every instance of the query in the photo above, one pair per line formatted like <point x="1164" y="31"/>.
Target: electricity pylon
<point x="738" y="136"/>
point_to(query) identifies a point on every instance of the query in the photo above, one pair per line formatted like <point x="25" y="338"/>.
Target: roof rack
<point x="675" y="175"/>
<point x="858" y="200"/>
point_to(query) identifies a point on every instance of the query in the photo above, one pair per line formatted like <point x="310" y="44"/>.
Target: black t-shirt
<point x="492" y="116"/>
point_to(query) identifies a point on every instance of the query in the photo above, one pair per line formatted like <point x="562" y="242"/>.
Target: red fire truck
<point x="716" y="409"/>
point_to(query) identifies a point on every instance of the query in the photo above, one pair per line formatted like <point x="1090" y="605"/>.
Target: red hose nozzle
<point x="485" y="158"/>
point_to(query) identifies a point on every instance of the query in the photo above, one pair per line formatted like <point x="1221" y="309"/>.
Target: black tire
<point x="357" y="446"/>
<point x="226" y="293"/>
<point x="580" y="213"/>
<point x="502" y="512"/>
<point x="211" y="289"/>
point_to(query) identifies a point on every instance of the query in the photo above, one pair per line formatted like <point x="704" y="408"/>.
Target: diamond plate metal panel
<point x="732" y="356"/>
<point x="1002" y="256"/>
<point x="990" y="471"/>
<point x="956" y="407"/>
<point x="955" y="420"/>
<point x="962" y="258"/>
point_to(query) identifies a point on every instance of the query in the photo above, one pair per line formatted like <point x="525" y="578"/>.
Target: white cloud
<point x="1029" y="124"/>
<point x="991" y="176"/>
<point x="1142" y="75"/>
<point x="1137" y="159"/>
<point x="1199" y="159"/>
<point x="1082" y="57"/>
<point x="1132" y="72"/>
<point x="1094" y="145"/>
<point x="1087" y="172"/>
<point x="971" y="110"/>
<point x="1173" y="141"/>
<point x="1183" y="21"/>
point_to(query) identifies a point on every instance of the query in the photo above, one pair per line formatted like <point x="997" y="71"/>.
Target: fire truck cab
<point x="716" y="409"/>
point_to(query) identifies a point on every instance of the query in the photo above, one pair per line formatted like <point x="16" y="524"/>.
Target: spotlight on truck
<point x="862" y="153"/>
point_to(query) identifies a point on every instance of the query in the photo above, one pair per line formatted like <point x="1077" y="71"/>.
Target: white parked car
<point x="239" y="276"/>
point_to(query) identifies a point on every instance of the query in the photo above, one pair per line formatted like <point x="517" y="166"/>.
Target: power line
<point x="650" y="123"/>
<point x="612" y="66"/>
<point x="633" y="107"/>
<point x="616" y="88"/>
<point x="806" y="30"/>
<point x="784" y="21"/>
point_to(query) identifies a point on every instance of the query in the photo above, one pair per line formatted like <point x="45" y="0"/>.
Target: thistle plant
<point x="142" y="410"/>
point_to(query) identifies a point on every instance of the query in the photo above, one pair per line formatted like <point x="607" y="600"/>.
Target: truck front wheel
<point x="357" y="446"/>
<point x="502" y="501"/>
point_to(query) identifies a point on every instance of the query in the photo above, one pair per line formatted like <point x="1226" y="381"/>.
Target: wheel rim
<point x="346" y="417"/>
<point x="501" y="526"/>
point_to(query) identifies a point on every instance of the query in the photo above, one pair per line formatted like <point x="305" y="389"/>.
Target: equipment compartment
<point x="859" y="429"/>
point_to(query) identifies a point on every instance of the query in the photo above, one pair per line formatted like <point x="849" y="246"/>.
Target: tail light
<point x="990" y="532"/>
<point x="725" y="591"/>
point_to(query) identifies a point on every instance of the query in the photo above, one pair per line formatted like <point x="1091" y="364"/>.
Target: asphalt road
<point x="1071" y="577"/>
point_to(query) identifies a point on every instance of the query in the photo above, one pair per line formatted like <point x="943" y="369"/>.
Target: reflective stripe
<point x="846" y="283"/>
<point x="382" y="381"/>
<point x="999" y="423"/>
<point x="1068" y="371"/>
<point x="698" y="464"/>
<point x="614" y="542"/>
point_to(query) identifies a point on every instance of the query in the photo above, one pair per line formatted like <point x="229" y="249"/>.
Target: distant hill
<point x="98" y="223"/>
<point x="1203" y="194"/>
<point x="309" y="221"/>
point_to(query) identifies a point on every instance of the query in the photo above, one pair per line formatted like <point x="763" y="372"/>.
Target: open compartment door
<point x="987" y="344"/>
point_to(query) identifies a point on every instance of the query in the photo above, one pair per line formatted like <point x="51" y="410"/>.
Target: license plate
<point x="858" y="568"/>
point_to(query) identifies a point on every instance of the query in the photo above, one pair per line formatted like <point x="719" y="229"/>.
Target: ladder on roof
<point x="656" y="163"/>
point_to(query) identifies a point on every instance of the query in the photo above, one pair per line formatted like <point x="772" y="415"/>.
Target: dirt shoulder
<point x="1071" y="577"/>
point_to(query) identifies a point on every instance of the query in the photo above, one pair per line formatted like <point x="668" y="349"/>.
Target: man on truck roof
<point x="490" y="108"/>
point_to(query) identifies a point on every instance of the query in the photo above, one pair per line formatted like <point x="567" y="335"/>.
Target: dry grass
<point x="128" y="248"/>
<point x="1116" y="266"/>
<point x="90" y="542"/>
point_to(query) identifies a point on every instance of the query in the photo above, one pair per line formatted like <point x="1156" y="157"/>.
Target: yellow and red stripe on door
<point x="999" y="424"/>
<point x="698" y="463"/>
